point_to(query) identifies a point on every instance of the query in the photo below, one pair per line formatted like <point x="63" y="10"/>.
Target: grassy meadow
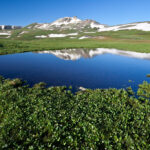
<point x="132" y="40"/>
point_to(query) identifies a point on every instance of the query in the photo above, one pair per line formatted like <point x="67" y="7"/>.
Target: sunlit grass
<point x="133" y="40"/>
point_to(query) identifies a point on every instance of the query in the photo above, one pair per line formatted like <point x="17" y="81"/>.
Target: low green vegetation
<point x="3" y="36"/>
<point x="55" y="118"/>
<point x="18" y="46"/>
<point x="131" y="40"/>
<point x="1" y="45"/>
<point x="128" y="34"/>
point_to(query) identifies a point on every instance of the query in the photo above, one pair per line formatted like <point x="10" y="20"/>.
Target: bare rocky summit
<point x="74" y="23"/>
<point x="68" y="23"/>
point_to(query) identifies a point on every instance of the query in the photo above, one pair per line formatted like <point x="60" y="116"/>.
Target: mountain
<point x="69" y="27"/>
<point x="68" y="23"/>
<point x="78" y="24"/>
<point x="144" y="26"/>
<point x="74" y="23"/>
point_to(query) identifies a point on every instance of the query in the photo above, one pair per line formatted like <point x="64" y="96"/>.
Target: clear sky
<point x="111" y="12"/>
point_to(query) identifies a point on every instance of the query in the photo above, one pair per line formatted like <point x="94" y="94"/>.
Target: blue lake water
<point x="86" y="68"/>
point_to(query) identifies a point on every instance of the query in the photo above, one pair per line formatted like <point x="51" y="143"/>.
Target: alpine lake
<point x="95" y="68"/>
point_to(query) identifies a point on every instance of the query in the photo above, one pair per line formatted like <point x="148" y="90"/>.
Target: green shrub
<point x="55" y="118"/>
<point x="1" y="45"/>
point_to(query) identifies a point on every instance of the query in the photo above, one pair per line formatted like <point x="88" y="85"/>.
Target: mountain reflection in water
<point x="75" y="54"/>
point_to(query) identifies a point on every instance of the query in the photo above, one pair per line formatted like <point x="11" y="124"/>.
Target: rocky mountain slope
<point x="68" y="23"/>
<point x="74" y="23"/>
<point x="74" y="28"/>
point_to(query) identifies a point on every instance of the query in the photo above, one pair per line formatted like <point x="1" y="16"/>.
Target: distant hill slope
<point x="75" y="28"/>
<point x="68" y="23"/>
<point x="74" y="23"/>
<point x="144" y="26"/>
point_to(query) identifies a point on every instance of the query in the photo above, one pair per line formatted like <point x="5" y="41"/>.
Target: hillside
<point x="74" y="23"/>
<point x="71" y="32"/>
<point x="143" y="26"/>
<point x="71" y="27"/>
<point x="71" y="23"/>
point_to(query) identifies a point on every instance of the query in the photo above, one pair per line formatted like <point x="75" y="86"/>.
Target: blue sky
<point x="111" y="12"/>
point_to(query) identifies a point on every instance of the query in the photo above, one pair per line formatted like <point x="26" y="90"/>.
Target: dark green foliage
<point x="144" y="90"/>
<point x="54" y="118"/>
<point x="40" y="85"/>
<point x="1" y="45"/>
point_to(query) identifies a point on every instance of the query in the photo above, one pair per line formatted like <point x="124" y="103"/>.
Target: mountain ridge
<point x="67" y="23"/>
<point x="78" y="24"/>
<point x="74" y="23"/>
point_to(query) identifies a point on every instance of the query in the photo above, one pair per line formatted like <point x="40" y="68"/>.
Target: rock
<point x="82" y="88"/>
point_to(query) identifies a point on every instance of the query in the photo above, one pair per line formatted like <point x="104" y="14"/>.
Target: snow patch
<point x="44" y="26"/>
<point x="137" y="26"/>
<point x="41" y="36"/>
<point x="23" y="32"/>
<point x="72" y="34"/>
<point x="5" y="33"/>
<point x="62" y="35"/>
<point x="72" y="37"/>
<point x="57" y="35"/>
<point x="94" y="25"/>
<point x="83" y="37"/>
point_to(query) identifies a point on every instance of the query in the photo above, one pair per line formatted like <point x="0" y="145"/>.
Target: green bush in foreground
<point x="54" y="118"/>
<point x="1" y="45"/>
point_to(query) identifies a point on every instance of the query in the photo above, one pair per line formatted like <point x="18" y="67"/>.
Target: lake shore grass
<point x="9" y="46"/>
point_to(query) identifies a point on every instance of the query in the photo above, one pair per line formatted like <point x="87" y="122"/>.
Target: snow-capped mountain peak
<point x="66" y="21"/>
<point x="69" y="23"/>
